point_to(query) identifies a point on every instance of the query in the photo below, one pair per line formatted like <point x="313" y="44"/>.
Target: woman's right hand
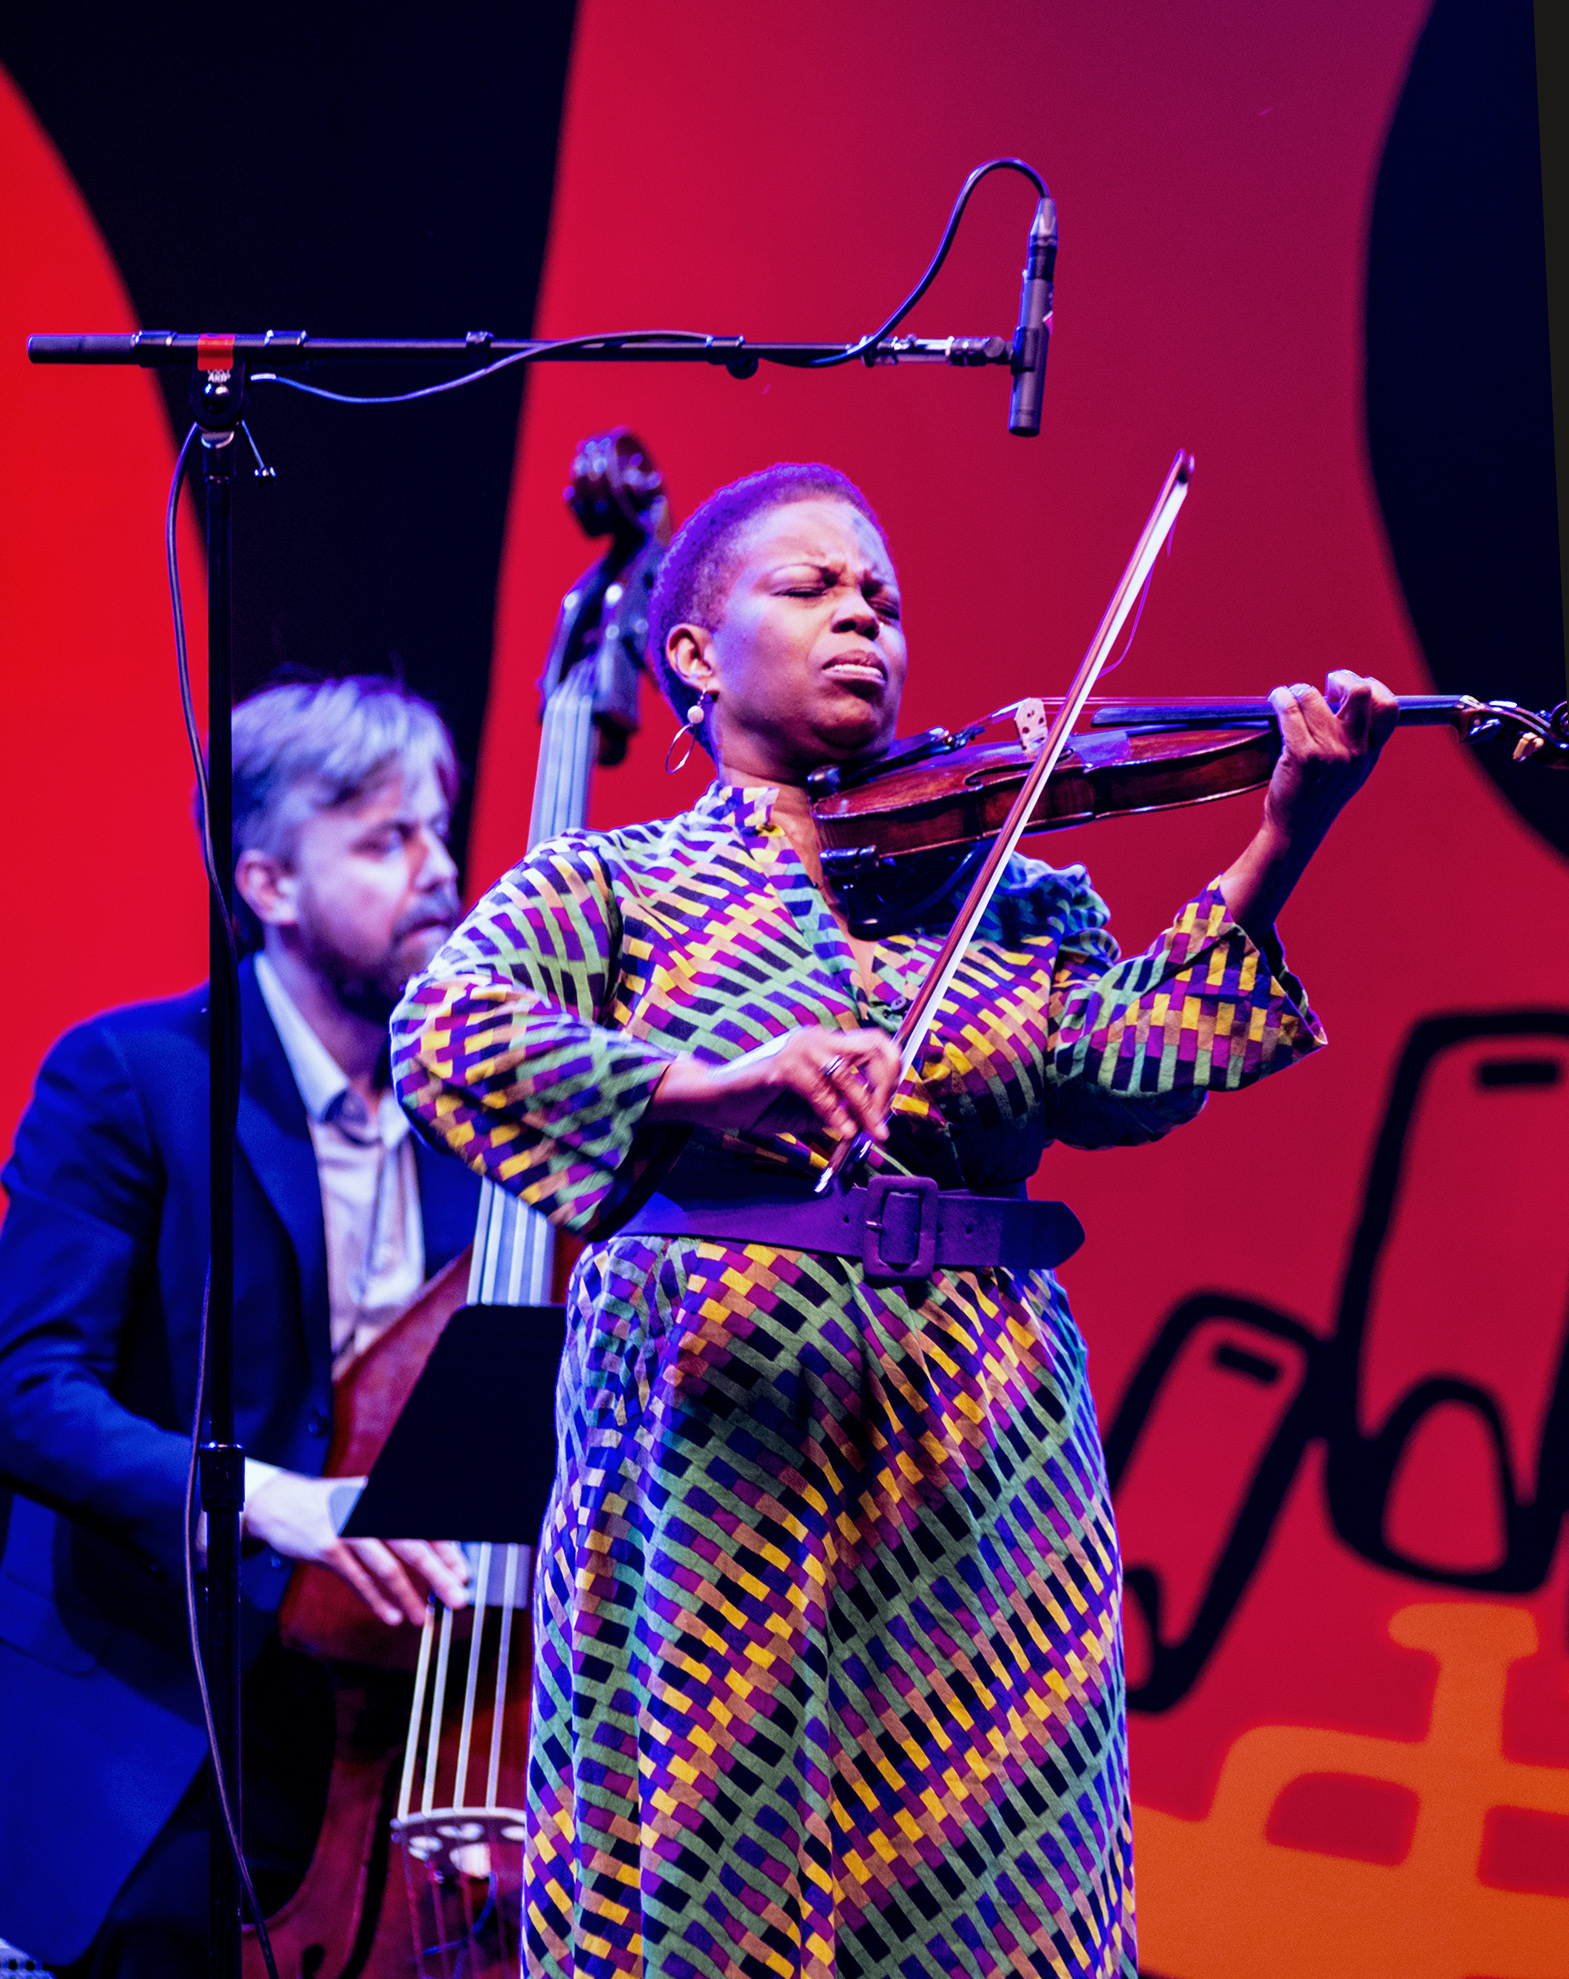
<point x="812" y="1080"/>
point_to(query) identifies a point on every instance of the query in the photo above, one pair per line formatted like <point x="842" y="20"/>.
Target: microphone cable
<point x="849" y="355"/>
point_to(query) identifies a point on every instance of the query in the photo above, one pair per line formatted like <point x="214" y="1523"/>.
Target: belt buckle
<point x="917" y="1235"/>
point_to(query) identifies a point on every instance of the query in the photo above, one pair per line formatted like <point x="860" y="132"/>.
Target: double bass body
<point x="418" y="1865"/>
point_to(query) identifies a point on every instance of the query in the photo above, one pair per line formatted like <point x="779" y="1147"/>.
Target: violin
<point x="901" y="831"/>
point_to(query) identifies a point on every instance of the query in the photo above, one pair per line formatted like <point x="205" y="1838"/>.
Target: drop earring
<point x="696" y="715"/>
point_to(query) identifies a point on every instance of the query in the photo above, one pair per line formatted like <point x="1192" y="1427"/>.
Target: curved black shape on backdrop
<point x="1459" y="382"/>
<point x="350" y="172"/>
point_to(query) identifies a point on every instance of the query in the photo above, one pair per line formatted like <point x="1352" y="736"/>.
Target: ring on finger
<point x="831" y="1067"/>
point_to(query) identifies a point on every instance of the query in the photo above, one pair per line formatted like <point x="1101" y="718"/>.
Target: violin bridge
<point x="1033" y="724"/>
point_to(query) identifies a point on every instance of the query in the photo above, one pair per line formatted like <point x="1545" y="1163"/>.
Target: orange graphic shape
<point x="1219" y="1900"/>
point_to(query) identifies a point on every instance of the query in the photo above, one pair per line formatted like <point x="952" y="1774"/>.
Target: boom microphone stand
<point x="218" y="367"/>
<point x="218" y="401"/>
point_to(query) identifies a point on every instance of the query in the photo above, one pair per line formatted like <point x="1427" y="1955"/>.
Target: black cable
<point x="850" y="355"/>
<point x="486" y="370"/>
<point x="193" y="736"/>
<point x="221" y="911"/>
<point x="858" y="350"/>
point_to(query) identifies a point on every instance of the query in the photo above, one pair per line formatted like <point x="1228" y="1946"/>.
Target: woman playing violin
<point x="828" y="1666"/>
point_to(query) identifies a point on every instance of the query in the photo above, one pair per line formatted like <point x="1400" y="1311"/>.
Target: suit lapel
<point x="274" y="1135"/>
<point x="275" y="1138"/>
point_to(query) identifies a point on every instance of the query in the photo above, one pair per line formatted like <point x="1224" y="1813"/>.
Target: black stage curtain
<point x="360" y="172"/>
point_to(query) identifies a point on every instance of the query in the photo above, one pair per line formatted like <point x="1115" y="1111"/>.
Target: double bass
<point x="417" y="1871"/>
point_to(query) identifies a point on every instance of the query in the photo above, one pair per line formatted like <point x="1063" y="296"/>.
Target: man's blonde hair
<point x="305" y="746"/>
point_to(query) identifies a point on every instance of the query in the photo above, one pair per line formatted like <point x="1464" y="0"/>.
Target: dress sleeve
<point x="511" y="1053"/>
<point x="1137" y="1043"/>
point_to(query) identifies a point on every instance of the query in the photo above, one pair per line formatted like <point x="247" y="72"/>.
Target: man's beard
<point x="373" y="993"/>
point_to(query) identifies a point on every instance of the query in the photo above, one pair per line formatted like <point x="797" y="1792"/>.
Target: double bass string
<point x="509" y="1593"/>
<point x="439" y="1692"/>
<point x="421" y="1674"/>
<point x="476" y="1642"/>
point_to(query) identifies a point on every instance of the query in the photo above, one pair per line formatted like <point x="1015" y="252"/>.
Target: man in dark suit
<point x="342" y="793"/>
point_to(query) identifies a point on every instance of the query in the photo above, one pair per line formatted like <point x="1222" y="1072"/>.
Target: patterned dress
<point x="828" y="1663"/>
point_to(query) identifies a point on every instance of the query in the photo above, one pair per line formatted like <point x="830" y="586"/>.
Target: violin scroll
<point x="1540" y="737"/>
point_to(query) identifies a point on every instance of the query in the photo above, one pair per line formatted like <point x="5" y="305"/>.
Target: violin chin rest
<point x="885" y="896"/>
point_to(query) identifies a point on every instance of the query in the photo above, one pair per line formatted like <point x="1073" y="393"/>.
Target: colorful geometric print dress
<point x="828" y="1663"/>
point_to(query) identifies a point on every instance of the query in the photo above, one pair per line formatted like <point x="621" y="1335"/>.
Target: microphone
<point x="1034" y="331"/>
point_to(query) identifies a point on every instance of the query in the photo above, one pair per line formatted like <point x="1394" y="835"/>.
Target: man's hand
<point x="292" y="1514"/>
<point x="838" y="1082"/>
<point x="1328" y="745"/>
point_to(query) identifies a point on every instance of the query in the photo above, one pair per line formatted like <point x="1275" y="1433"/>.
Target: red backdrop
<point x="1317" y="1801"/>
<point x="106" y="891"/>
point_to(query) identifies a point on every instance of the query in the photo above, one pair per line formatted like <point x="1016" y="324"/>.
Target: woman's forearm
<point x="1256" y="885"/>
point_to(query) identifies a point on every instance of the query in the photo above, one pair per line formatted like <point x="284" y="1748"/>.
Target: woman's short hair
<point x="305" y="746"/>
<point x="694" y="579"/>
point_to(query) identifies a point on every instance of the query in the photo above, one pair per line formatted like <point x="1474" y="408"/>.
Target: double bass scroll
<point x="588" y="711"/>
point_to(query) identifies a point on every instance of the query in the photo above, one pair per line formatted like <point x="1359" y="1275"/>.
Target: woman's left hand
<point x="1329" y="744"/>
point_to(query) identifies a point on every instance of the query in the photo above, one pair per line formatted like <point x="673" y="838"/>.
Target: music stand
<point x="473" y="1452"/>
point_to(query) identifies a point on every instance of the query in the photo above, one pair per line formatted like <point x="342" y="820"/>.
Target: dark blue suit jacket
<point x="102" y="1260"/>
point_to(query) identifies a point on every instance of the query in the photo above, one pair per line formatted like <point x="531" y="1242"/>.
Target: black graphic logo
<point x="1441" y="1396"/>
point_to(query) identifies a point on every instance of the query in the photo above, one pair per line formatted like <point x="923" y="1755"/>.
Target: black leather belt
<point x="901" y="1227"/>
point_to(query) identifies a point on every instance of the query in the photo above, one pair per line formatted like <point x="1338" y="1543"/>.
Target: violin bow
<point x="912" y="1033"/>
